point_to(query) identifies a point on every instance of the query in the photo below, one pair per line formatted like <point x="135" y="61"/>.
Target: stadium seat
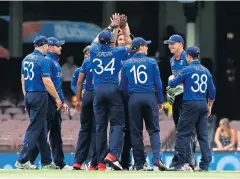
<point x="21" y="117"/>
<point x="6" y="144"/>
<point x="4" y="117"/>
<point x="6" y="103"/>
<point x="13" y="111"/>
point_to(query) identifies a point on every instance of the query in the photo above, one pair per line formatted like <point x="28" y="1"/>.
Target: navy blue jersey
<point x="56" y="73"/>
<point x="197" y="81"/>
<point x="143" y="75"/>
<point x="34" y="67"/>
<point x="87" y="70"/>
<point x="106" y="62"/>
<point x="178" y="65"/>
<point x="126" y="57"/>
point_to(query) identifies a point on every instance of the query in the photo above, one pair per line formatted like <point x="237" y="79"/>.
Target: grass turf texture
<point x="37" y="174"/>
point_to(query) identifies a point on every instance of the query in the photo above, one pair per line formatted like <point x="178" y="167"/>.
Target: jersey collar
<point x="53" y="56"/>
<point x="37" y="52"/>
<point x="182" y="55"/>
<point x="195" y="62"/>
<point x="139" y="55"/>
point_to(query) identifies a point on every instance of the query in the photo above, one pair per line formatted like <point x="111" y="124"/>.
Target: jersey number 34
<point x="108" y="67"/>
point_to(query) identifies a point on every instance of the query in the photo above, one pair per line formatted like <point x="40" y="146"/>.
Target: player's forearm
<point x="210" y="103"/>
<point x="126" y="34"/>
<point x="60" y="93"/>
<point x="23" y="86"/>
<point x="50" y="88"/>
<point x="79" y="90"/>
<point x="115" y="33"/>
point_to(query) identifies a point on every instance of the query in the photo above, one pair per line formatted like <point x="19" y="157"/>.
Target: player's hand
<point x="59" y="104"/>
<point x="160" y="107"/>
<point x="209" y="111"/>
<point x="79" y="106"/>
<point x="123" y="21"/>
<point x="64" y="107"/>
<point x="171" y="77"/>
<point x="115" y="20"/>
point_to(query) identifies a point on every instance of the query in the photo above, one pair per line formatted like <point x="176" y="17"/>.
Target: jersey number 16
<point x="137" y="72"/>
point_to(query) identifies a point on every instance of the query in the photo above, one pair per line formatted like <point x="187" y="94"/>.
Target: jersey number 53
<point x="28" y="68"/>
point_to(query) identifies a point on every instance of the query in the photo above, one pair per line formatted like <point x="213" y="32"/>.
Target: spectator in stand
<point x="225" y="137"/>
<point x="68" y="69"/>
<point x="238" y="140"/>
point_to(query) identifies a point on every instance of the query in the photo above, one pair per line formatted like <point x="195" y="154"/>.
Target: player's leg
<point x="116" y="117"/>
<point x="176" y="107"/>
<point x="151" y="117"/>
<point x="185" y="127"/>
<point x="125" y="156"/>
<point x="36" y="104"/>
<point x="136" y="130"/>
<point x="55" y="138"/>
<point x="202" y="135"/>
<point x="33" y="155"/>
<point x="92" y="156"/>
<point x="85" y="133"/>
<point x="101" y="114"/>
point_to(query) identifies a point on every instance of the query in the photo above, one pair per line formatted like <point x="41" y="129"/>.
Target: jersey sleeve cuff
<point x="46" y="75"/>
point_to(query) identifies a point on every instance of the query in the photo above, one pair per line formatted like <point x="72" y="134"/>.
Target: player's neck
<point x="178" y="54"/>
<point x="40" y="50"/>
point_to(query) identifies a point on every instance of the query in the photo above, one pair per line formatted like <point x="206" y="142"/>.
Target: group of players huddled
<point x="116" y="83"/>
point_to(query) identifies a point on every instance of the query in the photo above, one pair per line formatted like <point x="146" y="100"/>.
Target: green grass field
<point x="37" y="174"/>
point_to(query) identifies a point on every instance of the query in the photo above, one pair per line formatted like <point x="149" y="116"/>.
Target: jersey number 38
<point x="201" y="83"/>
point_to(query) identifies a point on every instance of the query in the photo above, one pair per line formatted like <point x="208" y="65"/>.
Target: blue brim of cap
<point x="169" y="42"/>
<point x="61" y="42"/>
<point x="148" y="42"/>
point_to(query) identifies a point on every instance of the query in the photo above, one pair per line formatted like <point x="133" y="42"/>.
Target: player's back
<point x="32" y="71"/>
<point x="198" y="81"/>
<point x="106" y="63"/>
<point x="140" y="71"/>
<point x="87" y="69"/>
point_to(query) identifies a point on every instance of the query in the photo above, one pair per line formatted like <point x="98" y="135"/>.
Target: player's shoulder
<point x="151" y="60"/>
<point x="77" y="70"/>
<point x="94" y="47"/>
<point x="120" y="49"/>
<point x="86" y="60"/>
<point x="206" y="70"/>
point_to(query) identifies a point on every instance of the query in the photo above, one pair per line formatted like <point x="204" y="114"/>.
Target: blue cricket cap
<point x="105" y="37"/>
<point x="40" y="41"/>
<point x="54" y="41"/>
<point x="138" y="41"/>
<point x="173" y="39"/>
<point x="193" y="51"/>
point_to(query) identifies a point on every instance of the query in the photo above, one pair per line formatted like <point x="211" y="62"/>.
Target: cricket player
<point x="54" y="120"/>
<point x="143" y="77"/>
<point x="175" y="95"/>
<point x="106" y="64"/>
<point x="86" y="144"/>
<point x="197" y="82"/>
<point x="123" y="39"/>
<point x="36" y="82"/>
<point x="77" y="71"/>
